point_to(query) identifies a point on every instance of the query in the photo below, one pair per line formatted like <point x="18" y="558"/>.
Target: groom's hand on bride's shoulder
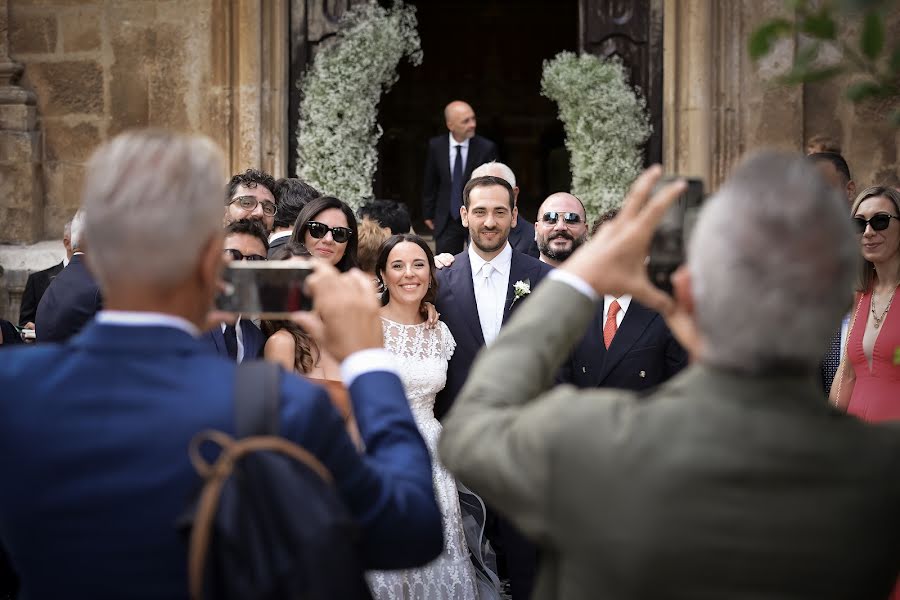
<point x="346" y="311"/>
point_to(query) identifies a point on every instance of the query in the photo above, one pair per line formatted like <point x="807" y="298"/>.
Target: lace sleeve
<point x="447" y="341"/>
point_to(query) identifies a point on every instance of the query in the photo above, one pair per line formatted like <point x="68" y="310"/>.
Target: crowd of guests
<point x="530" y="369"/>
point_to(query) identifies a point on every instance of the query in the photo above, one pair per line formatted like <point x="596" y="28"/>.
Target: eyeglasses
<point x="339" y="234"/>
<point x="879" y="222"/>
<point x="249" y="203"/>
<point x="238" y="255"/>
<point x="552" y="218"/>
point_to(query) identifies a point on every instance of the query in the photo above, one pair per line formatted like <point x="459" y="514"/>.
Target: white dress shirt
<point x="277" y="235"/>
<point x="624" y="303"/>
<point x="464" y="150"/>
<point x="131" y="318"/>
<point x="358" y="363"/>
<point x="240" y="338"/>
<point x="490" y="291"/>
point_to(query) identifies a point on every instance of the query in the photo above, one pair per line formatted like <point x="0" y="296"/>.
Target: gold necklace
<point x="878" y="319"/>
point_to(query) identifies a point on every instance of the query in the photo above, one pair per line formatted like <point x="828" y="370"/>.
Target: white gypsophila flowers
<point x="605" y="122"/>
<point x="338" y="129"/>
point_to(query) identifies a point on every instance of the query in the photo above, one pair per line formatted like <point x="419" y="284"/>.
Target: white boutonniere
<point x="520" y="290"/>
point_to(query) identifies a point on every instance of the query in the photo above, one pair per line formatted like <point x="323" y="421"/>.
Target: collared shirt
<point x="65" y="261"/>
<point x="464" y="150"/>
<point x="491" y="299"/>
<point x="240" y="338"/>
<point x="357" y="364"/>
<point x="277" y="235"/>
<point x="624" y="303"/>
<point x="133" y="318"/>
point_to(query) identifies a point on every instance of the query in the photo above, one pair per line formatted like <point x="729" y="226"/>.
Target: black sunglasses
<point x="552" y="217"/>
<point x="238" y="255"/>
<point x="879" y="222"/>
<point x="341" y="235"/>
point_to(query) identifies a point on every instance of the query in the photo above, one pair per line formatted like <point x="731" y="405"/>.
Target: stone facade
<point x="92" y="68"/>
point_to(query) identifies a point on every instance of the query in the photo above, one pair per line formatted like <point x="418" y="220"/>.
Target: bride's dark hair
<point x="381" y="263"/>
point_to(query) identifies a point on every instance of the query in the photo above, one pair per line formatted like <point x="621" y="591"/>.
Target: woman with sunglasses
<point x="327" y="228"/>
<point x="868" y="381"/>
<point x="296" y="350"/>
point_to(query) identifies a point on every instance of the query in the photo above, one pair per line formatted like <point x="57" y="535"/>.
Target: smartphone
<point x="265" y="289"/>
<point x="25" y="334"/>
<point x="670" y="241"/>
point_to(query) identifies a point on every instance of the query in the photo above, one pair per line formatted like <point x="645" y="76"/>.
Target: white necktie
<point x="487" y="309"/>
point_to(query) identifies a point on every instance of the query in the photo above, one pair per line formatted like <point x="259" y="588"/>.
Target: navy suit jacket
<point x="456" y="303"/>
<point x="94" y="461"/>
<point x="521" y="238"/>
<point x="643" y="353"/>
<point x="35" y="286"/>
<point x="436" y="187"/>
<point x="253" y="339"/>
<point x="71" y="300"/>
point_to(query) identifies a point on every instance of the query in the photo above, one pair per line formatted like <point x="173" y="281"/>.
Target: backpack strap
<point x="257" y="398"/>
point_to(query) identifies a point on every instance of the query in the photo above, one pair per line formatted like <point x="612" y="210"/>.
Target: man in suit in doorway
<point x="627" y="345"/>
<point x="38" y="282"/>
<point x="476" y="294"/>
<point x="449" y="165"/>
<point x="731" y="480"/>
<point x="94" y="433"/>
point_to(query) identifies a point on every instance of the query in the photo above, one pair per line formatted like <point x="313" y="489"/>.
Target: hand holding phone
<point x="268" y="289"/>
<point x="669" y="245"/>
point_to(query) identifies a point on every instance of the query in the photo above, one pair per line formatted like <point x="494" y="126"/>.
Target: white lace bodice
<point x="423" y="354"/>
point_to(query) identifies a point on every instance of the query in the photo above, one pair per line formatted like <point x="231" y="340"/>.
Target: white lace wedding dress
<point x="423" y="355"/>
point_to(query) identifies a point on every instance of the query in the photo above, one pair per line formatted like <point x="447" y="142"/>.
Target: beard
<point x="560" y="254"/>
<point x="486" y="246"/>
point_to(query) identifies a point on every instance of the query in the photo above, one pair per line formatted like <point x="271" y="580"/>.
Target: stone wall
<point x="98" y="68"/>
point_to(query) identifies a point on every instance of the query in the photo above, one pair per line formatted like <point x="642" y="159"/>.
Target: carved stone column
<point x="21" y="193"/>
<point x="250" y="78"/>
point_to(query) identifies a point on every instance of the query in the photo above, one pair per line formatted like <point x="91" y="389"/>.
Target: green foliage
<point x="816" y="27"/>
<point x="338" y="129"/>
<point x="605" y="121"/>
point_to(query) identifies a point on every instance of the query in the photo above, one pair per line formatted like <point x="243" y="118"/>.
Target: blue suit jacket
<point x="253" y="339"/>
<point x="94" y="461"/>
<point x="456" y="303"/>
<point x="71" y="300"/>
<point x="643" y="353"/>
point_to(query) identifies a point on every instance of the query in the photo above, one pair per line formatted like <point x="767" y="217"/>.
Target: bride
<point x="404" y="270"/>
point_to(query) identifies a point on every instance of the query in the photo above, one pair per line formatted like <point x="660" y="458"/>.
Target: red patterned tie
<point x="609" y="329"/>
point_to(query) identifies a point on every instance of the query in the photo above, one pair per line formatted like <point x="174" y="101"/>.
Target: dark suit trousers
<point x="452" y="239"/>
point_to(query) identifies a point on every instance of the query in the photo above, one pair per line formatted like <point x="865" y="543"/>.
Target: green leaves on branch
<point x="816" y="27"/>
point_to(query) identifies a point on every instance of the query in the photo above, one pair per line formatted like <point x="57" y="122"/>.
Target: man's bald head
<point x="498" y="169"/>
<point x="558" y="238"/>
<point x="460" y="120"/>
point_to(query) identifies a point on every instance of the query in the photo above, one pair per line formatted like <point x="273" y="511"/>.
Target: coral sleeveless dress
<point x="876" y="393"/>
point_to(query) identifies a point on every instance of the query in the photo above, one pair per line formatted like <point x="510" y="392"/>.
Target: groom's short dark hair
<point x="488" y="181"/>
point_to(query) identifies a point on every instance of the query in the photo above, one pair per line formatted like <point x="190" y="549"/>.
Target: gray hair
<point x="153" y="200"/>
<point x="772" y="261"/>
<point x="76" y="230"/>
<point x="497" y="169"/>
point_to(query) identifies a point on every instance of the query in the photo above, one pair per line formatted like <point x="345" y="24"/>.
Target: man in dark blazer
<point x="291" y="195"/>
<point x="72" y="298"/>
<point x="731" y="480"/>
<point x="476" y="294"/>
<point x="38" y="282"/>
<point x="94" y="433"/>
<point x="245" y="239"/>
<point x="449" y="165"/>
<point x="626" y="346"/>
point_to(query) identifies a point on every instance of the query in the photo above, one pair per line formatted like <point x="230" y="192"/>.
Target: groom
<point x="475" y="297"/>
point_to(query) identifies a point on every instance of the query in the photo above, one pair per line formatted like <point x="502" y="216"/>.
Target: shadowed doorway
<point x="490" y="54"/>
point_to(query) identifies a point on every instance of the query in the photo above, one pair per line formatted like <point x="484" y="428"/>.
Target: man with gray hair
<point x="95" y="432"/>
<point x="733" y="479"/>
<point x="73" y="297"/>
